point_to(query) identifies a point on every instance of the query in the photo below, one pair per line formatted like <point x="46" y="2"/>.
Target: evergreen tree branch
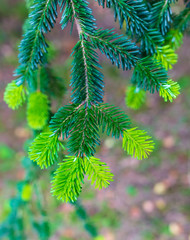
<point x="149" y="74"/>
<point x="136" y="16"/>
<point x="81" y="121"/>
<point x="33" y="47"/>
<point x="68" y="178"/>
<point x="112" y="120"/>
<point x="116" y="47"/>
<point x="126" y="10"/>
<point x="84" y="133"/>
<point x="87" y="81"/>
<point x="162" y="15"/>
<point x="169" y="90"/>
<point x="78" y="11"/>
<point x="166" y="56"/>
<point x="98" y="172"/>
<point x="61" y="122"/>
<point x="44" y="150"/>
<point x="137" y="143"/>
<point x="15" y="95"/>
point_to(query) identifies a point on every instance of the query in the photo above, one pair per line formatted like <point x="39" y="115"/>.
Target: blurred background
<point x="149" y="199"/>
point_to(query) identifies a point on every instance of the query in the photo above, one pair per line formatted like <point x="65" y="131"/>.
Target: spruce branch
<point x="68" y="179"/>
<point x="112" y="120"/>
<point x="87" y="80"/>
<point x="15" y="95"/>
<point x="135" y="14"/>
<point x="84" y="134"/>
<point x="129" y="12"/>
<point x="166" y="56"/>
<point x="150" y="40"/>
<point x="162" y="15"/>
<point x="169" y="90"/>
<point x="44" y="150"/>
<point x="60" y="123"/>
<point x="67" y="182"/>
<point x="81" y="121"/>
<point x="33" y="46"/>
<point x="118" y="48"/>
<point x="98" y="172"/>
<point x="78" y="11"/>
<point x="149" y="74"/>
<point x="137" y="143"/>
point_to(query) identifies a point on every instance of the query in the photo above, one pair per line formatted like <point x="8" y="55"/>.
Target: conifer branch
<point x="98" y="172"/>
<point x="44" y="150"/>
<point x="78" y="11"/>
<point x="136" y="16"/>
<point x="68" y="179"/>
<point x="33" y="47"/>
<point x="112" y="120"/>
<point x="166" y="56"/>
<point x="149" y="74"/>
<point x="129" y="12"/>
<point x="81" y="121"/>
<point x="137" y="143"/>
<point x="67" y="182"/>
<point x="84" y="134"/>
<point x="116" y="47"/>
<point x="169" y="91"/>
<point x="162" y="15"/>
<point x="87" y="81"/>
<point x="60" y="123"/>
<point x="15" y="95"/>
